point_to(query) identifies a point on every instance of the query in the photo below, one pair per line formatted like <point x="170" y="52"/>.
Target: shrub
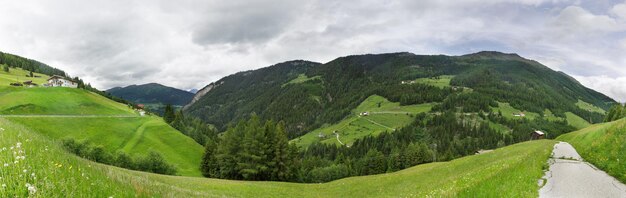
<point x="153" y="162"/>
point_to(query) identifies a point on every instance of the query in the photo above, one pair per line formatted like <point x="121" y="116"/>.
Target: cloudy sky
<point x="188" y="44"/>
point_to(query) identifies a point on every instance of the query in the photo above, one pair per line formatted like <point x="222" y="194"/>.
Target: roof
<point x="539" y="132"/>
<point x="59" y="77"/>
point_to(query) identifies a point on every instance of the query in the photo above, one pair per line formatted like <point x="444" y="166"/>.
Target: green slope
<point x="507" y="172"/>
<point x="135" y="136"/>
<point x="91" y="117"/>
<point x="576" y="121"/>
<point x="383" y="116"/>
<point x="603" y="146"/>
<point x="19" y="75"/>
<point x="57" y="101"/>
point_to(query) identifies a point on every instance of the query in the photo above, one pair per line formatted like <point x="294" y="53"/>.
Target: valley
<point x="429" y="136"/>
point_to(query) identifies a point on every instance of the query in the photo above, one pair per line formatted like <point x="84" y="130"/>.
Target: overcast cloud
<point x="188" y="44"/>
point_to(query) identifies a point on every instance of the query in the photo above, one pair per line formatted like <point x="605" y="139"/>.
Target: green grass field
<point x="300" y="79"/>
<point x="510" y="171"/>
<point x="576" y="121"/>
<point x="386" y="117"/>
<point x="508" y="111"/>
<point x="603" y="146"/>
<point x="589" y="107"/>
<point x="439" y="81"/>
<point x="57" y="101"/>
<point x="135" y="136"/>
<point x="19" y="75"/>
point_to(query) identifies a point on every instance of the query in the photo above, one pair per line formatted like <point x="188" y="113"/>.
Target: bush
<point x="153" y="162"/>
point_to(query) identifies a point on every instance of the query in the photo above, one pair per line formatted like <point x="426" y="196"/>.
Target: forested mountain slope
<point x="152" y="93"/>
<point x="308" y="95"/>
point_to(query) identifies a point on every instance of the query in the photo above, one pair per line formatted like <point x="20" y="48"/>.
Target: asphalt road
<point x="570" y="176"/>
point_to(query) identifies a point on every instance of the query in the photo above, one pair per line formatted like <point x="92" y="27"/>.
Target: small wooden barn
<point x="537" y="135"/>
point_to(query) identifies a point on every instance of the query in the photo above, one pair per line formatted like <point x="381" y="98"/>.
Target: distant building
<point x="60" y="81"/>
<point x="140" y="106"/>
<point x="520" y="114"/>
<point x="537" y="135"/>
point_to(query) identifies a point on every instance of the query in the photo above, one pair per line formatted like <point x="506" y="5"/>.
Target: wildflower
<point x="12" y="148"/>
<point x="25" y="171"/>
<point x="18" y="145"/>
<point x="5" y="164"/>
<point x="32" y="174"/>
<point x="31" y="189"/>
<point x="4" y="185"/>
<point x="4" y="148"/>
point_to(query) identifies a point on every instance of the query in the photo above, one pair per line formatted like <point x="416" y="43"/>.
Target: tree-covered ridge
<point x="340" y="85"/>
<point x="29" y="64"/>
<point x="152" y="93"/>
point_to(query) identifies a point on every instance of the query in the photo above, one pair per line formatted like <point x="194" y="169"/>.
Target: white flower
<point x="4" y="148"/>
<point x="4" y="185"/>
<point x="12" y="148"/>
<point x="25" y="171"/>
<point x="18" y="145"/>
<point x="31" y="189"/>
<point x="5" y="164"/>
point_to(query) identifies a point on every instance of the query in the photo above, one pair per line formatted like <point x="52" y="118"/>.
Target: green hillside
<point x="603" y="146"/>
<point x="152" y="93"/>
<point x="309" y="96"/>
<point x="20" y="75"/>
<point x="511" y="171"/>
<point x="383" y="115"/>
<point x="57" y="101"/>
<point x="68" y="113"/>
<point x="136" y="136"/>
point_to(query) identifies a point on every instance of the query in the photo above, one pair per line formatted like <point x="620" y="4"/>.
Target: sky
<point x="189" y="44"/>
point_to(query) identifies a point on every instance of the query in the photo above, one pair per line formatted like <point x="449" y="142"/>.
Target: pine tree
<point x="228" y="149"/>
<point x="252" y="164"/>
<point x="210" y="166"/>
<point x="168" y="115"/>
<point x="281" y="155"/>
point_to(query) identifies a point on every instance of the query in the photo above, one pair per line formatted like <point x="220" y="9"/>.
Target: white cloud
<point x="613" y="87"/>
<point x="619" y="10"/>
<point x="190" y="43"/>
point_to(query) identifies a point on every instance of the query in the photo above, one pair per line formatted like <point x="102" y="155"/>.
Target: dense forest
<point x="29" y="65"/>
<point x="252" y="150"/>
<point x="307" y="95"/>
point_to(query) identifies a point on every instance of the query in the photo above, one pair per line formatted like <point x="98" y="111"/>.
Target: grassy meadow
<point x="510" y="171"/>
<point x="300" y="79"/>
<point x="57" y="101"/>
<point x="508" y="111"/>
<point x="383" y="116"/>
<point x="440" y="81"/>
<point x="589" y="107"/>
<point x="135" y="136"/>
<point x="602" y="145"/>
<point x="576" y="121"/>
<point x="19" y="75"/>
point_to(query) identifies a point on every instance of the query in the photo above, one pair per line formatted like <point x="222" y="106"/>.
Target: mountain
<point x="308" y="95"/>
<point x="193" y="91"/>
<point x="152" y="93"/>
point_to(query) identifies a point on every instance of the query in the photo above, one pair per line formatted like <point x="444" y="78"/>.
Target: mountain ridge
<point x="348" y="80"/>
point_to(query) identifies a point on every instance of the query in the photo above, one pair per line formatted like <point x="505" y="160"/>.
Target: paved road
<point x="570" y="176"/>
<point x="68" y="116"/>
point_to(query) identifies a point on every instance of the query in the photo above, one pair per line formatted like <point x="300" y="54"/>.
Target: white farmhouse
<point x="60" y="81"/>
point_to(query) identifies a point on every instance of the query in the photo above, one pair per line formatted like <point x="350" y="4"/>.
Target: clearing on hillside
<point x="510" y="171"/>
<point x="373" y="116"/>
